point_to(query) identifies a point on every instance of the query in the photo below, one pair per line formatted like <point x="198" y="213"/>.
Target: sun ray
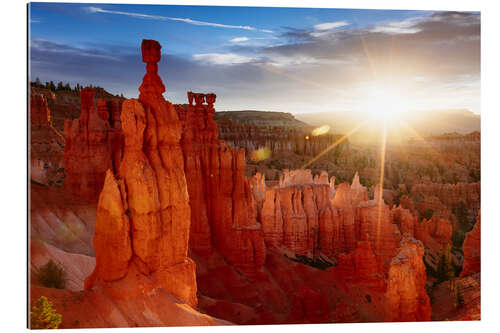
<point x="380" y="198"/>
<point x="422" y="139"/>
<point x="333" y="145"/>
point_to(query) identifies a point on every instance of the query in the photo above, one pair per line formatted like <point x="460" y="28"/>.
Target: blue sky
<point x="284" y="59"/>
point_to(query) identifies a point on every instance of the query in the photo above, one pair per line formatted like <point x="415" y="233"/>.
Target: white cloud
<point x="330" y="25"/>
<point x="239" y="39"/>
<point x="222" y="58"/>
<point x="407" y="26"/>
<point x="179" y="19"/>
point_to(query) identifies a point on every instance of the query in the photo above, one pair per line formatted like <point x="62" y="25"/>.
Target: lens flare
<point x="320" y="130"/>
<point x="260" y="154"/>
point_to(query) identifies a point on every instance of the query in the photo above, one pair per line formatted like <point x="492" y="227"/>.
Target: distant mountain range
<point x="261" y="118"/>
<point x="415" y="124"/>
<point x="411" y="125"/>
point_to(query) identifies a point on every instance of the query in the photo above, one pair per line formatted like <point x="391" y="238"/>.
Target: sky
<point x="297" y="60"/>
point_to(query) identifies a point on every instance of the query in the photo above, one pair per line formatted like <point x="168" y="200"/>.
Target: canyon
<point x="161" y="217"/>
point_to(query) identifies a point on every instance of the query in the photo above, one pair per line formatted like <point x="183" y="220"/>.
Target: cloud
<point x="330" y="25"/>
<point x="408" y="26"/>
<point x="239" y="39"/>
<point x="222" y="58"/>
<point x="178" y="19"/>
<point x="440" y="64"/>
<point x="42" y="45"/>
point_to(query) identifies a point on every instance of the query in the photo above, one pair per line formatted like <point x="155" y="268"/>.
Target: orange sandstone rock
<point x="406" y="298"/>
<point x="46" y="149"/>
<point x="435" y="233"/>
<point x="224" y="211"/>
<point x="472" y="250"/>
<point x="150" y="193"/>
<point x="92" y="147"/>
<point x="39" y="111"/>
<point x="360" y="266"/>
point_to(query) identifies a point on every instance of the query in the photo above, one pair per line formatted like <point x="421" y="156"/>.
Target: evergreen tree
<point x="67" y="87"/>
<point x="60" y="86"/>
<point x="43" y="316"/>
<point x="445" y="270"/>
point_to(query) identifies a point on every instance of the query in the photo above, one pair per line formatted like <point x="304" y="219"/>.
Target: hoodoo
<point x="143" y="219"/>
<point x="93" y="145"/>
<point x="223" y="207"/>
<point x="472" y="250"/>
<point x="406" y="298"/>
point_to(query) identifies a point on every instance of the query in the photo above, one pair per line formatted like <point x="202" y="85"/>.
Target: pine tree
<point x="43" y="316"/>
<point x="445" y="270"/>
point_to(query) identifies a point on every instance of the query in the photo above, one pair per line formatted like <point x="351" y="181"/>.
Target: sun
<point x="384" y="103"/>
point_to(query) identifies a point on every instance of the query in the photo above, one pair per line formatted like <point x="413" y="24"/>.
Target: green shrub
<point x="43" y="316"/>
<point x="51" y="275"/>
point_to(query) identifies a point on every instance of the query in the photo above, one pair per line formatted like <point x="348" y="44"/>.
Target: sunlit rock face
<point x="302" y="215"/>
<point x="223" y="207"/>
<point x="39" y="111"/>
<point x="143" y="218"/>
<point x="294" y="212"/>
<point x="472" y="250"/>
<point x="406" y="298"/>
<point x="361" y="267"/>
<point x="93" y="145"/>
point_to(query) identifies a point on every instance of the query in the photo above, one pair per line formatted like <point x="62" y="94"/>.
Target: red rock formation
<point x="299" y="216"/>
<point x="39" y="110"/>
<point x="293" y="212"/>
<point x="472" y="250"/>
<point x="278" y="139"/>
<point x="360" y="267"/>
<point x="46" y="144"/>
<point x="406" y="298"/>
<point x="143" y="219"/>
<point x="222" y="204"/>
<point x="92" y="147"/>
<point x="374" y="220"/>
<point x="452" y="195"/>
<point x="435" y="233"/>
<point x="309" y="306"/>
<point x="405" y="220"/>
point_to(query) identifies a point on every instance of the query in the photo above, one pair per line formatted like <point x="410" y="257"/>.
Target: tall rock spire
<point x="151" y="190"/>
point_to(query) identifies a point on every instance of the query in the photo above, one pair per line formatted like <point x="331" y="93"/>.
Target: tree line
<point x="60" y="86"/>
